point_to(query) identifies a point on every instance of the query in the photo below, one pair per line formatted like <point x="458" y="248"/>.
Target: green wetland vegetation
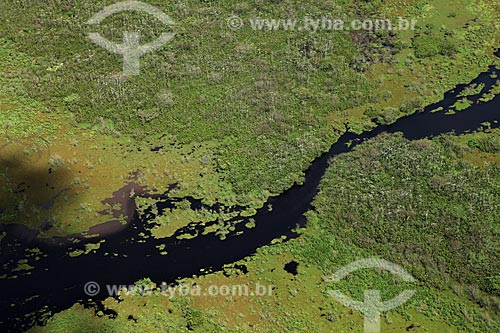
<point x="234" y="117"/>
<point x="411" y="204"/>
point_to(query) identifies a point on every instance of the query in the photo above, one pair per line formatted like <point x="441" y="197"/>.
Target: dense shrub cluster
<point x="430" y="42"/>
<point x="419" y="204"/>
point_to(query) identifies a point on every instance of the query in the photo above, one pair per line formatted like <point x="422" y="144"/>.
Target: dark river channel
<point x="57" y="280"/>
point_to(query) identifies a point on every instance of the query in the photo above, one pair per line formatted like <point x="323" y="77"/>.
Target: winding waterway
<point x="57" y="279"/>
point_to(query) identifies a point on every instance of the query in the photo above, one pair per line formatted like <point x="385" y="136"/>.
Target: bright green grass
<point x="407" y="202"/>
<point x="263" y="96"/>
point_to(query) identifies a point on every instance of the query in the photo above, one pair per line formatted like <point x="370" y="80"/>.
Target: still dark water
<point x="57" y="280"/>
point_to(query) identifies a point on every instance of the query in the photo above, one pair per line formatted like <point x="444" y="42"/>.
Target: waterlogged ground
<point x="59" y="178"/>
<point x="81" y="150"/>
<point x="60" y="105"/>
<point x="451" y="295"/>
<point x="67" y="186"/>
